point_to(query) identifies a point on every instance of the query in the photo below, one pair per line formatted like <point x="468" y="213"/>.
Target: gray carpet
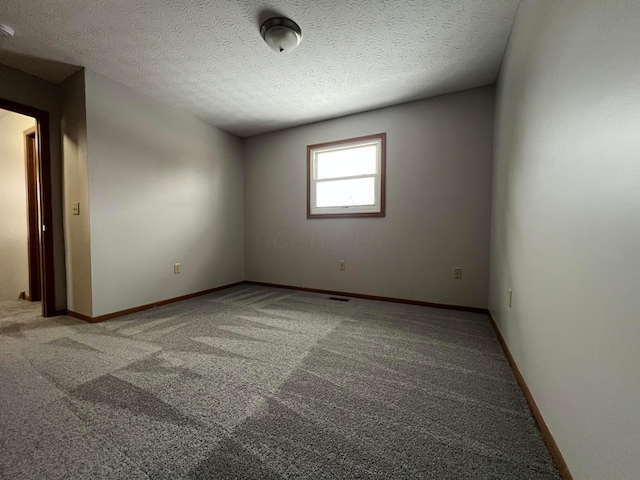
<point x="262" y="383"/>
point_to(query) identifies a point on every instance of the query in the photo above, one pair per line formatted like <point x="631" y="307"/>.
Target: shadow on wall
<point x="47" y="69"/>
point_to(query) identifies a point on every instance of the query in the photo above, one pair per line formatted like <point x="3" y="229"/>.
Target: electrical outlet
<point x="509" y="297"/>
<point x="457" y="273"/>
<point x="342" y="265"/>
<point x="176" y="268"/>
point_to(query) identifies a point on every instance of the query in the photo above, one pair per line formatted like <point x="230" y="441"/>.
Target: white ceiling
<point x="207" y="56"/>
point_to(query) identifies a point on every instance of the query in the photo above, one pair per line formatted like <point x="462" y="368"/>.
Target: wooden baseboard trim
<point x="79" y="316"/>
<point x="556" y="455"/>
<point x="102" y="318"/>
<point x="109" y="316"/>
<point x="372" y="297"/>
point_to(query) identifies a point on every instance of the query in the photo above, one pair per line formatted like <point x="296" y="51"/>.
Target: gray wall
<point x="566" y="225"/>
<point x="28" y="90"/>
<point x="164" y="188"/>
<point x="76" y="189"/>
<point x="14" y="252"/>
<point x="438" y="205"/>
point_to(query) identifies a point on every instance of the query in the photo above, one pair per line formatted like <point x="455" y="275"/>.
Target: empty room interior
<point x="320" y="239"/>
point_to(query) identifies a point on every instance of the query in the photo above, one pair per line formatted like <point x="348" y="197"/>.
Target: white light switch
<point x="76" y="208"/>
<point x="176" y="268"/>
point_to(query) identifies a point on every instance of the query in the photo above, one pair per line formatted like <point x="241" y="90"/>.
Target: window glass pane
<point x="358" y="191"/>
<point x="347" y="162"/>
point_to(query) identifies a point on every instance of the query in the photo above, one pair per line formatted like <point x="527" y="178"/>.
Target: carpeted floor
<point x="261" y="383"/>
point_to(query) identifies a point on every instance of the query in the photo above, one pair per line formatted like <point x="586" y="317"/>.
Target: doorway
<point x="36" y="188"/>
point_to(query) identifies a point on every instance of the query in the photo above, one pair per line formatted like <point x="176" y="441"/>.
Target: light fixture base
<point x="281" y="34"/>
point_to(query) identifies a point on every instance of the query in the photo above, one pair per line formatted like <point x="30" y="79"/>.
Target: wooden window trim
<point x="383" y="172"/>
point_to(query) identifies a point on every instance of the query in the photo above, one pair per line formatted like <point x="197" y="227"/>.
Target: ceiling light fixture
<point x="6" y="31"/>
<point x="281" y="34"/>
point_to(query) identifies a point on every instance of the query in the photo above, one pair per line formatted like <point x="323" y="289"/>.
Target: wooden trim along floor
<point x="102" y="318"/>
<point x="109" y="316"/>
<point x="372" y="297"/>
<point x="556" y="455"/>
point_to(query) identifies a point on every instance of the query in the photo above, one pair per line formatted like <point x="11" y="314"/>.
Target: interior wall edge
<point x="547" y="436"/>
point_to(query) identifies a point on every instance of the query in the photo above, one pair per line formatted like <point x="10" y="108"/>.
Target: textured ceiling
<point x="207" y="56"/>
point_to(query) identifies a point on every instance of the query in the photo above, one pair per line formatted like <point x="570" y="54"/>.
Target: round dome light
<point x="281" y="34"/>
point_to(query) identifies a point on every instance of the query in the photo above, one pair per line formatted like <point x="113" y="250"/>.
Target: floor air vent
<point x="338" y="299"/>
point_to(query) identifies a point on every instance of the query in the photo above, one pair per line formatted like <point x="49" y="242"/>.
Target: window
<point x="346" y="178"/>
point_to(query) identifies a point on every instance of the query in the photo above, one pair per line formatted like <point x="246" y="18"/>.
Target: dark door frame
<point x="34" y="229"/>
<point x="46" y="210"/>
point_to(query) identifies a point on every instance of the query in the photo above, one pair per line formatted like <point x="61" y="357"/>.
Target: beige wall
<point x="76" y="189"/>
<point x="437" y="214"/>
<point x="28" y="90"/>
<point x="14" y="253"/>
<point x="164" y="188"/>
<point x="566" y="225"/>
